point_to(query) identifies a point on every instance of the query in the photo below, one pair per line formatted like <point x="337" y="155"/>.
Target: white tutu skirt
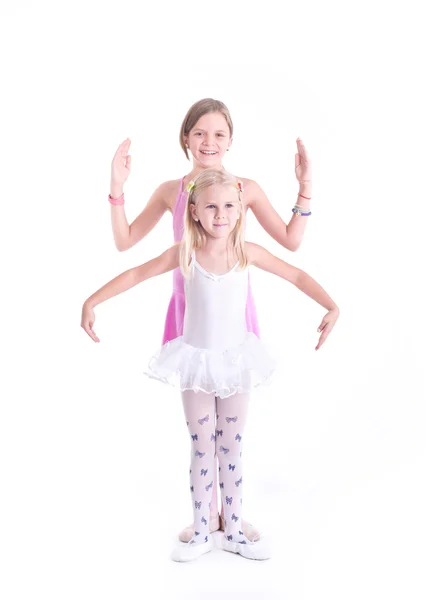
<point x="222" y="372"/>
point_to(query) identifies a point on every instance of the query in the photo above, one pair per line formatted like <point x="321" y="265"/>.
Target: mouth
<point x="208" y="153"/>
<point x="220" y="224"/>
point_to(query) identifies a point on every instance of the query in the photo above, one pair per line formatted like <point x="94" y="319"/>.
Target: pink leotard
<point x="176" y="312"/>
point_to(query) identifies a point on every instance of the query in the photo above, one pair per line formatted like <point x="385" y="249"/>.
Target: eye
<point x="220" y="135"/>
<point x="198" y="133"/>
<point x="229" y="205"/>
<point x="210" y="206"/>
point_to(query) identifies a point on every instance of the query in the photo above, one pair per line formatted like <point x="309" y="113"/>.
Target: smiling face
<point x="209" y="139"/>
<point x="217" y="209"/>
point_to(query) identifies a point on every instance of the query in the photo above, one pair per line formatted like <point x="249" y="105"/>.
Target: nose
<point x="219" y="214"/>
<point x="208" y="139"/>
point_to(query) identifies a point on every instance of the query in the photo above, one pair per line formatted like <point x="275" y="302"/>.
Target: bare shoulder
<point x="258" y="254"/>
<point x="252" y="191"/>
<point x="248" y="184"/>
<point x="167" y="193"/>
<point x="254" y="251"/>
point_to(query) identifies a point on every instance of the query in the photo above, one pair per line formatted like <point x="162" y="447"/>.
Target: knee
<point x="204" y="443"/>
<point x="227" y="448"/>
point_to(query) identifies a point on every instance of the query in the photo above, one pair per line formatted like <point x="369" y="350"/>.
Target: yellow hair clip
<point x="190" y="186"/>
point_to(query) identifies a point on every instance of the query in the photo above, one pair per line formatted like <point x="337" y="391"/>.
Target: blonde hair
<point x="194" y="235"/>
<point x="198" y="110"/>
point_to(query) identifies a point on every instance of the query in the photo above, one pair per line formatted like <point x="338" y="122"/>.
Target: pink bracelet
<point x="116" y="201"/>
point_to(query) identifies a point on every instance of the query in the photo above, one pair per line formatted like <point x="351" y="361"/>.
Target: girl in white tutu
<point x="216" y="362"/>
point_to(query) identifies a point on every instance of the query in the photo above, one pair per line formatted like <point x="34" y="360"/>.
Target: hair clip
<point x="190" y="186"/>
<point x="240" y="186"/>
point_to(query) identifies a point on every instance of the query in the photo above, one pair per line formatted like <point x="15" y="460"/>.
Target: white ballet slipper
<point x="187" y="552"/>
<point x="249" y="530"/>
<point x="256" y="551"/>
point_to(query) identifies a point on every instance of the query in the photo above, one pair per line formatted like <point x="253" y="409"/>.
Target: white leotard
<point x="215" y="308"/>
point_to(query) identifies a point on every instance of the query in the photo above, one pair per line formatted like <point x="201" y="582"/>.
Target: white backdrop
<point x="94" y="456"/>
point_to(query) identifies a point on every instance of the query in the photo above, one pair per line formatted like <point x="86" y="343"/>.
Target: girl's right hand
<point x="327" y="325"/>
<point x="120" y="166"/>
<point x="88" y="320"/>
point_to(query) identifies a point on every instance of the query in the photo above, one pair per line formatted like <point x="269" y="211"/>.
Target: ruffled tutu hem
<point x="222" y="372"/>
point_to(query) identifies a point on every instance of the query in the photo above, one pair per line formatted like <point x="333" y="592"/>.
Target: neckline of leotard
<point x="208" y="273"/>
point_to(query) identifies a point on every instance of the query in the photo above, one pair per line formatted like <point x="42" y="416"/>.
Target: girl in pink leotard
<point x="206" y="133"/>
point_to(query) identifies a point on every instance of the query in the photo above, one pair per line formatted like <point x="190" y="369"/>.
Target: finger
<point x="128" y="161"/>
<point x="120" y="148"/>
<point x="88" y="329"/>
<point x="322" y="325"/>
<point x="125" y="148"/>
<point x="323" y="337"/>
<point x="93" y="335"/>
<point x="297" y="160"/>
<point x="301" y="148"/>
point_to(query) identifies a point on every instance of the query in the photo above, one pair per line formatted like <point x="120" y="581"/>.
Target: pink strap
<point x="116" y="201"/>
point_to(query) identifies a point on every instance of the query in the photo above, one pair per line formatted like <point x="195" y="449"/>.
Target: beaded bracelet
<point x="116" y="201"/>
<point x="298" y="212"/>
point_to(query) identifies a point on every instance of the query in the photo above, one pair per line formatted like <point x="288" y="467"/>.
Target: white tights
<point x="216" y="426"/>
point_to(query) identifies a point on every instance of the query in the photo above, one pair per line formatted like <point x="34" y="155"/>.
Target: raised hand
<point x="120" y="166"/>
<point x="88" y="320"/>
<point x="303" y="167"/>
<point x="327" y="325"/>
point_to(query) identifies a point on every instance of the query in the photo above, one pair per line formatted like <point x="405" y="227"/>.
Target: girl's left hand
<point x="327" y="325"/>
<point x="303" y="167"/>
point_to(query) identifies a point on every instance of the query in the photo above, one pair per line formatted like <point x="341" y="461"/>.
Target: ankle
<point x="199" y="539"/>
<point x="237" y="537"/>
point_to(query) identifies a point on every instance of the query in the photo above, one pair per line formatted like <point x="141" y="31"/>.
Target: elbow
<point x="122" y="240"/>
<point x="292" y="245"/>
<point x="122" y="245"/>
<point x="290" y="242"/>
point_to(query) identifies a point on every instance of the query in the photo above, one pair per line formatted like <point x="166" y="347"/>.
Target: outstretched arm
<point x="290" y="236"/>
<point x="162" y="264"/>
<point x="263" y="259"/>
